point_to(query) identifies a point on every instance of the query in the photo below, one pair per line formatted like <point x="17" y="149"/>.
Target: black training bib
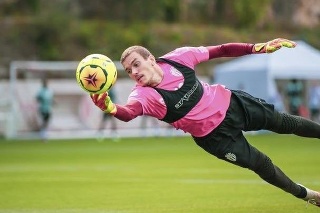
<point x="180" y="102"/>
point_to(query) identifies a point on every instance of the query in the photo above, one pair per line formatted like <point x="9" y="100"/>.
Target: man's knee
<point x="264" y="167"/>
<point x="290" y="124"/>
<point x="285" y="123"/>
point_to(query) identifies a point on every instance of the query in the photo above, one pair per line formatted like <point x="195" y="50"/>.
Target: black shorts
<point x="227" y="141"/>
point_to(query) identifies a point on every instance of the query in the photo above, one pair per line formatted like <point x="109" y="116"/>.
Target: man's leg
<point x="283" y="123"/>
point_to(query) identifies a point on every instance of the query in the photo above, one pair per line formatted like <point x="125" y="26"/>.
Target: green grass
<point x="148" y="175"/>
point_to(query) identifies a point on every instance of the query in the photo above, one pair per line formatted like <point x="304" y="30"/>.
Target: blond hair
<point x="144" y="52"/>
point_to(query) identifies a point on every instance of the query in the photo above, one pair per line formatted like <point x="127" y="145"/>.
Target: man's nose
<point x="134" y="71"/>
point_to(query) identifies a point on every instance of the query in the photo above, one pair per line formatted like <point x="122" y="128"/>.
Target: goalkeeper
<point x="168" y="89"/>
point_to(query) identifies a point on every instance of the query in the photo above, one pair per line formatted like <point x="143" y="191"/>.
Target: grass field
<point x="148" y="175"/>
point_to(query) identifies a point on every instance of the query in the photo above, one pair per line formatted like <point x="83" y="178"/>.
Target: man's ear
<point x="152" y="59"/>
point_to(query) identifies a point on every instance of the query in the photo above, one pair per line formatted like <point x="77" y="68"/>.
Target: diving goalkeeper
<point x="168" y="89"/>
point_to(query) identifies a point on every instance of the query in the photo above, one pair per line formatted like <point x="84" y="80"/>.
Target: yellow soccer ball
<point x="96" y="73"/>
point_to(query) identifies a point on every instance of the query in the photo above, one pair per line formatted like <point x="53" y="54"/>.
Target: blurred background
<point x="37" y="35"/>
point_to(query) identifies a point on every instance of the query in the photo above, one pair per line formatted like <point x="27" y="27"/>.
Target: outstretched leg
<point x="273" y="175"/>
<point x="249" y="113"/>
<point x="291" y="124"/>
<point x="238" y="151"/>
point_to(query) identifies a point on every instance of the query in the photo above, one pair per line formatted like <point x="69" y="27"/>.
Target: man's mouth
<point x="139" y="77"/>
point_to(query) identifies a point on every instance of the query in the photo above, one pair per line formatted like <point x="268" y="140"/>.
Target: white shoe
<point x="313" y="197"/>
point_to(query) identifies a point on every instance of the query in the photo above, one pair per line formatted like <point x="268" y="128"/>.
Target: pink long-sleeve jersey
<point x="212" y="107"/>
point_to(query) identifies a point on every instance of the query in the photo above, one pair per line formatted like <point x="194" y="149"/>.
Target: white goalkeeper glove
<point x="104" y="102"/>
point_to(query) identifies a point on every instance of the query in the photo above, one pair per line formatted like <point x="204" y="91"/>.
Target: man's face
<point x="139" y="69"/>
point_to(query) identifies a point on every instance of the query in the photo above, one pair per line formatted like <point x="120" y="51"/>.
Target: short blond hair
<point x="144" y="52"/>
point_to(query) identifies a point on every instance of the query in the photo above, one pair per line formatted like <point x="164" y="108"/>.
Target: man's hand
<point x="104" y="102"/>
<point x="272" y="46"/>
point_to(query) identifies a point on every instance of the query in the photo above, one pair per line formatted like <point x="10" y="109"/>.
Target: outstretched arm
<point x="240" y="49"/>
<point x="129" y="111"/>
<point x="229" y="50"/>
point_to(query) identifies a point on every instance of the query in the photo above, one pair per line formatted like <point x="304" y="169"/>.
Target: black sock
<point x="303" y="193"/>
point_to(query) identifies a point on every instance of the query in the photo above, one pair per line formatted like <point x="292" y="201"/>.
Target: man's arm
<point x="129" y="111"/>
<point x="125" y="113"/>
<point x="240" y="49"/>
<point x="229" y="50"/>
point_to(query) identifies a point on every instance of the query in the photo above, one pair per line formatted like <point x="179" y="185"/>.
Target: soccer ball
<point x="96" y="73"/>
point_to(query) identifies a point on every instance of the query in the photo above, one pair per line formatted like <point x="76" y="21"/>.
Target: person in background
<point x="168" y="89"/>
<point x="44" y="99"/>
<point x="107" y="118"/>
<point x="314" y="101"/>
<point x="294" y="92"/>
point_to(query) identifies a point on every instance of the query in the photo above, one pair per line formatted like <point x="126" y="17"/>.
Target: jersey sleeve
<point x="188" y="56"/>
<point x="151" y="101"/>
<point x="129" y="111"/>
<point x="229" y="50"/>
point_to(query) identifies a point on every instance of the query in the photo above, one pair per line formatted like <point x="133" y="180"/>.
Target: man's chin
<point x="142" y="84"/>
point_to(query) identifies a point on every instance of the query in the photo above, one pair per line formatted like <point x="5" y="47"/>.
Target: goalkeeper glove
<point x="104" y="102"/>
<point x="272" y="46"/>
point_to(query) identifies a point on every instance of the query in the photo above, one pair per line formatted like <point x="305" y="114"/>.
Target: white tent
<point x="256" y="73"/>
